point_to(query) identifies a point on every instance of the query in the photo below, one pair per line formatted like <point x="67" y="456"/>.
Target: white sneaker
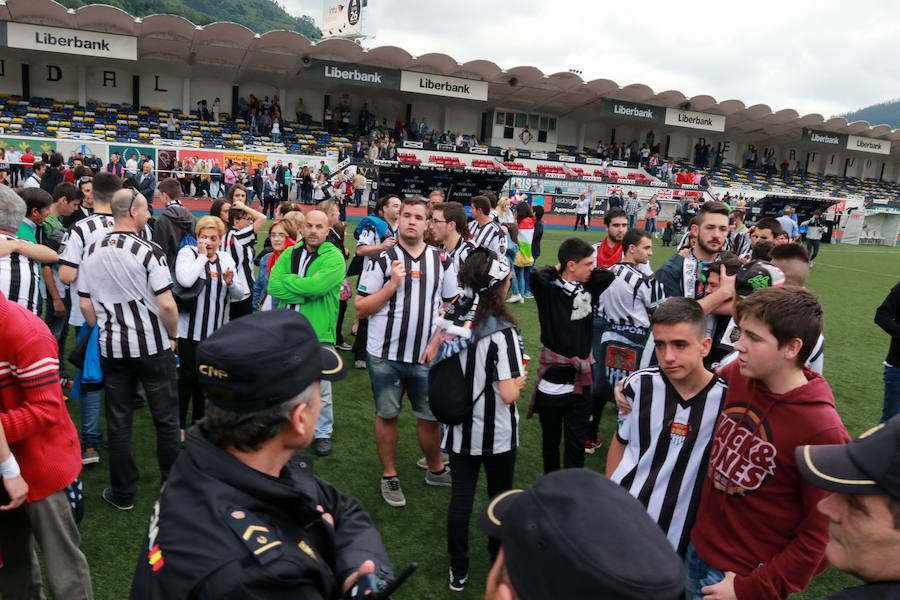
<point x="514" y="299"/>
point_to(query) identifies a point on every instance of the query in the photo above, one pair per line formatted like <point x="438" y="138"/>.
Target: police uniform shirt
<point x="224" y="531"/>
<point x="494" y="425"/>
<point x="667" y="440"/>
<point x="211" y="310"/>
<point x="402" y="327"/>
<point x="239" y="243"/>
<point x="126" y="274"/>
<point x="20" y="277"/>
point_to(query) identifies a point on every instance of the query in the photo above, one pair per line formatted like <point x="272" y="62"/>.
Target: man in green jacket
<point x="307" y="278"/>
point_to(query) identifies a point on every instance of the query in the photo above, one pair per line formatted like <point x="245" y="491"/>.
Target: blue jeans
<point x="891" y="393"/>
<point x="521" y="278"/>
<point x="632" y="219"/>
<point x="59" y="327"/>
<point x="390" y="378"/>
<point x="275" y="137"/>
<point x="699" y="575"/>
<point x="650" y="225"/>
<point x="511" y="256"/>
<point x="325" y="424"/>
<point x="357" y="197"/>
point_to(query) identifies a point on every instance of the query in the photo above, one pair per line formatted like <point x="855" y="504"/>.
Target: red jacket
<point x="757" y="516"/>
<point x="33" y="412"/>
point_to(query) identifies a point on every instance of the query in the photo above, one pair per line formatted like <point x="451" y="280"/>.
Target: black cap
<point x="576" y="534"/>
<point x="870" y="464"/>
<point x="264" y="359"/>
<point x="757" y="275"/>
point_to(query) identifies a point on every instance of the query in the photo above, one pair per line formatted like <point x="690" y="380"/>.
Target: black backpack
<point x="449" y="387"/>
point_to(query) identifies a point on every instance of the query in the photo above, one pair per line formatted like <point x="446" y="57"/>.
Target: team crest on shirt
<point x="678" y="432"/>
<point x="742" y="454"/>
<point x="415" y="274"/>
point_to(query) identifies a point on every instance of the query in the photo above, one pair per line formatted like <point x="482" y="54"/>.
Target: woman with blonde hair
<point x="504" y="211"/>
<point x="240" y="242"/>
<point x="209" y="310"/>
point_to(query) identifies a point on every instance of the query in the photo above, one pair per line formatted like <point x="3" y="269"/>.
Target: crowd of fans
<point x="713" y="364"/>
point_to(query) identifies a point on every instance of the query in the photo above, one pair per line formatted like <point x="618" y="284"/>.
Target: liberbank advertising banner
<point x="849" y="142"/>
<point x="67" y="41"/>
<point x="326" y="70"/>
<point x="407" y="81"/>
<point x="658" y="114"/>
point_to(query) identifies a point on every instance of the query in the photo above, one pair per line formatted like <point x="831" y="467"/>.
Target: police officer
<point x="864" y="509"/>
<point x="241" y="516"/>
<point x="548" y="534"/>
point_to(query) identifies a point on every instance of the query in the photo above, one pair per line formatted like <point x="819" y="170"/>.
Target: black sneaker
<point x="458" y="584"/>
<point x="323" y="446"/>
<point x="107" y="495"/>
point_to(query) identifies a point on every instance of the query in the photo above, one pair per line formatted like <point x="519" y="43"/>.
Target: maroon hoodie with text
<point x="757" y="515"/>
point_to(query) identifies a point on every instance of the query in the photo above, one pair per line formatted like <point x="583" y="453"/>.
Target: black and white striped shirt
<point x="490" y="236"/>
<point x="126" y="274"/>
<point x="667" y="442"/>
<point x="20" y="277"/>
<point x="239" y="243"/>
<point x="494" y="426"/>
<point x="631" y="296"/>
<point x="739" y="243"/>
<point x="80" y="236"/>
<point x="211" y="310"/>
<point x="401" y="328"/>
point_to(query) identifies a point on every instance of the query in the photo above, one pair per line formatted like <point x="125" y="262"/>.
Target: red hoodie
<point x="766" y="528"/>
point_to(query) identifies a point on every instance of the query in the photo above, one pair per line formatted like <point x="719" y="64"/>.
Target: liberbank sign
<point x="393" y="79"/>
<point x="662" y="115"/>
<point x="843" y="141"/>
<point x="67" y="41"/>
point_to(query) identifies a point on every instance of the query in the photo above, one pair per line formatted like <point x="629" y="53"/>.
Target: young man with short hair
<point x="486" y="231"/>
<point x="660" y="449"/>
<point x="566" y="296"/>
<point x="624" y="309"/>
<point x="375" y="233"/>
<point x="774" y="404"/>
<point x="400" y="291"/>
<point x="175" y="223"/>
<point x="766" y="229"/>
<point x="609" y="251"/>
<point x="687" y="276"/>
<point x="448" y="228"/>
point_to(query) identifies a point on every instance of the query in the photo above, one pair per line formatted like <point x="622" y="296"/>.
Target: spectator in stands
<point x="328" y="119"/>
<point x="146" y="183"/>
<point x="41" y="445"/>
<point x="362" y="120"/>
<point x="171" y="127"/>
<point x="216" y="107"/>
<point x="276" y="131"/>
<point x="254" y="122"/>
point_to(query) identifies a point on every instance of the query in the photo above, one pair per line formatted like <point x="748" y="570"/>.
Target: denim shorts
<point x="390" y="379"/>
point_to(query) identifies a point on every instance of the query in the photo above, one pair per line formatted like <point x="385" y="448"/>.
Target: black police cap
<point x="870" y="464"/>
<point x="262" y="360"/>
<point x="576" y="534"/>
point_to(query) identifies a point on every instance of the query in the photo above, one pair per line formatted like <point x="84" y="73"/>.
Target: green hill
<point x="259" y="16"/>
<point x="883" y="113"/>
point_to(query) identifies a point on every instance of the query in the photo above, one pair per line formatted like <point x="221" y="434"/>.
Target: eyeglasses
<point x="134" y="195"/>
<point x="438" y="221"/>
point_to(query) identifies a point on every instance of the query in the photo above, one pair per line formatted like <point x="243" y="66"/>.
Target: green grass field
<point x="850" y="281"/>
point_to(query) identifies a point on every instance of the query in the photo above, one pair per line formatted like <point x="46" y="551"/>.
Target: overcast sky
<point x="822" y="57"/>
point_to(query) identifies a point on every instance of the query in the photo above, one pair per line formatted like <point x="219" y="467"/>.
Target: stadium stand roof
<point x="231" y="50"/>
